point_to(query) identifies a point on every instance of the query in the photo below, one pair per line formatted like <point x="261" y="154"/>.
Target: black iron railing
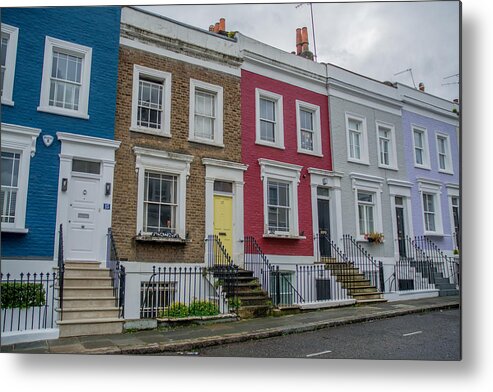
<point x="216" y="252"/>
<point x="61" y="270"/>
<point x="361" y="258"/>
<point x="117" y="273"/>
<point x="278" y="283"/>
<point x="28" y="302"/>
<point x="178" y="292"/>
<point x="411" y="275"/>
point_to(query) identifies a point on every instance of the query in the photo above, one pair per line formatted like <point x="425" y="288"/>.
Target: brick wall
<point x="125" y="187"/>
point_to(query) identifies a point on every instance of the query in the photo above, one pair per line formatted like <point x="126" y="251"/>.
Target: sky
<point x="377" y="40"/>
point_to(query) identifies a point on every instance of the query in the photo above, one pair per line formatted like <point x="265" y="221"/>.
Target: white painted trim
<point x="279" y="111"/>
<point x="165" y="162"/>
<point x="364" y="156"/>
<point x="161" y="77"/>
<point x="317" y="132"/>
<point x="91" y="148"/>
<point x="449" y="169"/>
<point x="405" y="193"/>
<point x="218" y="131"/>
<point x="233" y="172"/>
<point x="285" y="172"/>
<point x="10" y="61"/>
<point x="235" y="71"/>
<point x="453" y="191"/>
<point x="426" y="147"/>
<point x="75" y="49"/>
<point x="393" y="149"/>
<point x="433" y="188"/>
<point x="399" y="183"/>
<point x="21" y="140"/>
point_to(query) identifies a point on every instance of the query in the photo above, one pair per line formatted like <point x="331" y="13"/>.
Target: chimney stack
<point x="421" y="86"/>
<point x="298" y="41"/>
<point x="211" y="28"/>
<point x="304" y="39"/>
<point x="222" y="24"/>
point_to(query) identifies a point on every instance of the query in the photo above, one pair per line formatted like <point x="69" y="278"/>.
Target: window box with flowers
<point x="376" y="238"/>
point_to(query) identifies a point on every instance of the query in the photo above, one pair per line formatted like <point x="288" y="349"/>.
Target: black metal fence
<point x="61" y="269"/>
<point x="28" y="302"/>
<point x="292" y="284"/>
<point x="117" y="272"/>
<point x="177" y="292"/>
<point x="216" y="252"/>
<point x="364" y="261"/>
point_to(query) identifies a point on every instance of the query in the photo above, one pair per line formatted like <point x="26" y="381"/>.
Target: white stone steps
<point x="90" y="313"/>
<point x="87" y="302"/>
<point x="96" y="326"/>
<point x="87" y="282"/>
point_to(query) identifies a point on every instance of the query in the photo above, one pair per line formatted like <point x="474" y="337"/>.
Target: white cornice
<point x="325" y="173"/>
<point x="366" y="177"/>
<point x="18" y="136"/>
<point x="162" y="154"/>
<point x="224" y="164"/>
<point x="76" y="138"/>
<point x="400" y="183"/>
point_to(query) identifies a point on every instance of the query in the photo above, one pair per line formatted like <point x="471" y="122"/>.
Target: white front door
<point x="83" y="231"/>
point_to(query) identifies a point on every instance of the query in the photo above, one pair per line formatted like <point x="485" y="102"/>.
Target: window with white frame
<point x="366" y="212"/>
<point x="356" y="139"/>
<point x="66" y="78"/>
<point x="278" y="206"/>
<point x="431" y="207"/>
<point x="269" y="119"/>
<point x="162" y="179"/>
<point x="280" y="182"/>
<point x="18" y="145"/>
<point x="308" y="132"/>
<point x="160" y="202"/>
<point x="443" y="151"/>
<point x="421" y="152"/>
<point x="206" y="113"/>
<point x="151" y="101"/>
<point x="386" y="146"/>
<point x="8" y="54"/>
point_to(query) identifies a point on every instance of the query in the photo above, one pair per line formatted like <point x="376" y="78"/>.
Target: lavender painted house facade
<point x="430" y="127"/>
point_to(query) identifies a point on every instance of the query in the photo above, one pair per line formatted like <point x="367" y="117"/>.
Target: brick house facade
<point x="182" y="61"/>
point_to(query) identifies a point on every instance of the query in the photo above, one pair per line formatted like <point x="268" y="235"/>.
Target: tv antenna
<point x="448" y="77"/>
<point x="410" y="70"/>
<point x="313" y="28"/>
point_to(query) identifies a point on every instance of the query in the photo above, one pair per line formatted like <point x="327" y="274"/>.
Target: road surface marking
<point x="412" y="333"/>
<point x="315" y="354"/>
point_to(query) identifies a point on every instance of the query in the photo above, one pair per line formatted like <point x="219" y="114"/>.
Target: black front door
<point x="401" y="231"/>
<point x="324" y="226"/>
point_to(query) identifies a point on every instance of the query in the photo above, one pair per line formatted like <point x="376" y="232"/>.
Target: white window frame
<point x="282" y="172"/>
<point x="426" y="148"/>
<point x="392" y="148"/>
<point x="370" y="184"/>
<point x="161" y="77"/>
<point x="77" y="50"/>
<point x="166" y="163"/>
<point x="279" y="126"/>
<point x="366" y="204"/>
<point x="10" y="61"/>
<point x="219" y="111"/>
<point x="21" y="140"/>
<point x="364" y="157"/>
<point x="448" y="156"/>
<point x="434" y="189"/>
<point x="317" y="134"/>
<point x="453" y="190"/>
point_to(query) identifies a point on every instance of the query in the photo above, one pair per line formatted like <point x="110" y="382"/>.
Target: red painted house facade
<point x="293" y="194"/>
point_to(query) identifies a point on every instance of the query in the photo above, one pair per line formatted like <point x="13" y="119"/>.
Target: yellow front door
<point x="223" y="221"/>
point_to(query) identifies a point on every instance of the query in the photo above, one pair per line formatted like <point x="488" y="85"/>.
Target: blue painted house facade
<point x="59" y="80"/>
<point x="430" y="126"/>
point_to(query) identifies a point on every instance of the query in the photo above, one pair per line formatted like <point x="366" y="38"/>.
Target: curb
<point x="189" y="344"/>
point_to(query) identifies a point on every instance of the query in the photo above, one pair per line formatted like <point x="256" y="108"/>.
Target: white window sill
<point x="308" y="152"/>
<point x="150" y="238"/>
<point x="370" y="242"/>
<point x="150" y="131"/>
<point x="63" y="112"/>
<point x="267" y="144"/>
<point x="14" y="230"/>
<point x="433" y="234"/>
<point x="7" y="102"/>
<point x="285" y="236"/>
<point x="205" y="141"/>
<point x="446" y="172"/>
<point x="359" y="161"/>
<point x="395" y="168"/>
<point x="422" y="167"/>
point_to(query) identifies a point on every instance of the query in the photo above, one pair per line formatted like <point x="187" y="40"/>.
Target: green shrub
<point x="21" y="295"/>
<point x="177" y="310"/>
<point x="203" y="308"/>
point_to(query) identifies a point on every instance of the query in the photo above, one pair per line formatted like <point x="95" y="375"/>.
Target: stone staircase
<point x="430" y="272"/>
<point x="89" y="303"/>
<point x="354" y="281"/>
<point x="254" y="302"/>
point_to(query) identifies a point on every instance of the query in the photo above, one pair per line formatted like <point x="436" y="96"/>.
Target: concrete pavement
<point x="187" y="338"/>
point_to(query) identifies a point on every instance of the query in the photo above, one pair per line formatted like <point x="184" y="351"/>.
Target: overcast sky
<point x="377" y="40"/>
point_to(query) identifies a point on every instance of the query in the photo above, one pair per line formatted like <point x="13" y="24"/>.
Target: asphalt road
<point x="424" y="336"/>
